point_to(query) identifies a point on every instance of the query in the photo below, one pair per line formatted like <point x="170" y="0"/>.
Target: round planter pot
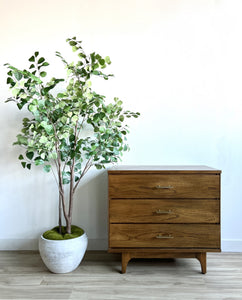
<point x="63" y="256"/>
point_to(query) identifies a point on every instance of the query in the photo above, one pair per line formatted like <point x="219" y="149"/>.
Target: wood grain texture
<point x="164" y="186"/>
<point x="164" y="211"/>
<point x="165" y="235"/>
<point x="127" y="169"/>
<point x="202" y="257"/>
<point x="23" y="276"/>
<point x="127" y="256"/>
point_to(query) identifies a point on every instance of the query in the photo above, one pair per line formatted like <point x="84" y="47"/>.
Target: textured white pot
<point x="63" y="256"/>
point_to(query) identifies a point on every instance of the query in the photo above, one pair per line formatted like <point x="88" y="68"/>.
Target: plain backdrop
<point x="177" y="62"/>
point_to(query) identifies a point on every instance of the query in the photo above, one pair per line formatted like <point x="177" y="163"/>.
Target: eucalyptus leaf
<point x="41" y="60"/>
<point x="47" y="168"/>
<point x="18" y="75"/>
<point x="45" y="64"/>
<point x="39" y="162"/>
<point x="32" y="58"/>
<point x="30" y="155"/>
<point x="43" y="74"/>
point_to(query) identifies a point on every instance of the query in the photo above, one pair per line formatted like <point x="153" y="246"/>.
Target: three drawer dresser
<point x="164" y="212"/>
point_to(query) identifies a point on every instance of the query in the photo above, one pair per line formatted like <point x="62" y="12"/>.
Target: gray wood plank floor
<point x="23" y="276"/>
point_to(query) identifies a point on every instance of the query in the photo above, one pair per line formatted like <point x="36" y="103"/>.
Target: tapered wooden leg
<point x="125" y="259"/>
<point x="202" y="257"/>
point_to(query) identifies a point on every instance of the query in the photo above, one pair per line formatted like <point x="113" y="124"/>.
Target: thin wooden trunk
<point x="60" y="211"/>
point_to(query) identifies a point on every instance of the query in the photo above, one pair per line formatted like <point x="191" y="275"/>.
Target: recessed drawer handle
<point x="168" y="187"/>
<point x="160" y="236"/>
<point x="163" y="212"/>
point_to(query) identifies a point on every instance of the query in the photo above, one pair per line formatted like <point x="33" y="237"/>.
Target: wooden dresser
<point x="164" y="212"/>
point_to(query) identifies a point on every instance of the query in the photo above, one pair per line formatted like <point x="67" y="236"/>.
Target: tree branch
<point x="87" y="167"/>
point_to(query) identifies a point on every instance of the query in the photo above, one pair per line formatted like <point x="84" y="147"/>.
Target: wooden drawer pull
<point x="168" y="187"/>
<point x="163" y="212"/>
<point x="160" y="236"/>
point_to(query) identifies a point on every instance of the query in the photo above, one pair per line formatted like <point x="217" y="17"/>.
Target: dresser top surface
<point x="157" y="168"/>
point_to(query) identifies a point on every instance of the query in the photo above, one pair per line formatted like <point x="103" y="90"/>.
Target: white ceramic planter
<point x="63" y="256"/>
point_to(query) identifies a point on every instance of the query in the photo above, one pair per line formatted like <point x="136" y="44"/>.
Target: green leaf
<point x="43" y="139"/>
<point x="63" y="119"/>
<point x="36" y="53"/>
<point x="30" y="155"/>
<point x="32" y="58"/>
<point x="20" y="105"/>
<point x="78" y="166"/>
<point x="20" y="157"/>
<point x="97" y="103"/>
<point x="15" y="92"/>
<point x="101" y="62"/>
<point x="9" y="80"/>
<point x="28" y="166"/>
<point x="47" y="168"/>
<point x="72" y="43"/>
<point x="61" y="95"/>
<point x="81" y="55"/>
<point x="22" y="140"/>
<point x="18" y="75"/>
<point x="23" y="163"/>
<point x="72" y="138"/>
<point x="66" y="181"/>
<point x="121" y="118"/>
<point x="43" y="74"/>
<point x="99" y="167"/>
<point x="32" y="66"/>
<point x="74" y="119"/>
<point x="39" y="162"/>
<point x="41" y="60"/>
<point x="32" y="108"/>
<point x="45" y="64"/>
<point x="107" y="59"/>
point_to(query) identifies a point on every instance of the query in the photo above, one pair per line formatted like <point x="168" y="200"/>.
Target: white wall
<point x="177" y="62"/>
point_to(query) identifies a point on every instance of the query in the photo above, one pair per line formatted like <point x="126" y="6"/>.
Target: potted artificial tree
<point x="67" y="133"/>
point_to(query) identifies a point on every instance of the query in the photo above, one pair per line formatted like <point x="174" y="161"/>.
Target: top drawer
<point x="164" y="185"/>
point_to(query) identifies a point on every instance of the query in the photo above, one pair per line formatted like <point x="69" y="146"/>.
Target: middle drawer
<point x="164" y="211"/>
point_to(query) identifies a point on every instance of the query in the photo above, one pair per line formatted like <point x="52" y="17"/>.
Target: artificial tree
<point x="70" y="131"/>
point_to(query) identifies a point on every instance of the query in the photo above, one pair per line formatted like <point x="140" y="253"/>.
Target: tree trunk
<point x="68" y="225"/>
<point x="60" y="211"/>
<point x="71" y="194"/>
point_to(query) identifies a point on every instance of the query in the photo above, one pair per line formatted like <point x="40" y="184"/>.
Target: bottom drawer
<point x="165" y="235"/>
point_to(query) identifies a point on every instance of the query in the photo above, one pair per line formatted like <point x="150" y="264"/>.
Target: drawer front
<point x="164" y="211"/>
<point x="164" y="235"/>
<point x="164" y="186"/>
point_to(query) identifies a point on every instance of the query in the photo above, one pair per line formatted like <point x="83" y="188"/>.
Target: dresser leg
<point x="202" y="257"/>
<point x="125" y="259"/>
